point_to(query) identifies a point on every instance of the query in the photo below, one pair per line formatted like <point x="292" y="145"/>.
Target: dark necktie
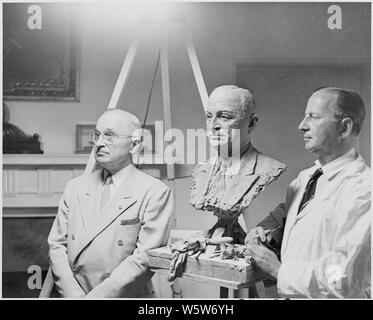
<point x="106" y="190"/>
<point x="309" y="192"/>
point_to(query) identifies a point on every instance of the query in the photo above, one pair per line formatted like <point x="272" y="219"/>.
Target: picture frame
<point x="40" y="52"/>
<point x="84" y="142"/>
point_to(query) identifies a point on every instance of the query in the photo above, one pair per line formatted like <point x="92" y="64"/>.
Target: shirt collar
<point x="332" y="168"/>
<point x="119" y="176"/>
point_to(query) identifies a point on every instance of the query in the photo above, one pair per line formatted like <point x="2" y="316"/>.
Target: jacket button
<point x="107" y="274"/>
<point x="75" y="270"/>
<point x="120" y="242"/>
<point x="120" y="207"/>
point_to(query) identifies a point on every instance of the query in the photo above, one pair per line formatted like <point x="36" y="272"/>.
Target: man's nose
<point x="100" y="141"/>
<point x="214" y="124"/>
<point x="303" y="126"/>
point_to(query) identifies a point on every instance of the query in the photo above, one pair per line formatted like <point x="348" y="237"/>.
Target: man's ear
<point x="346" y="127"/>
<point x="253" y="120"/>
<point x="136" y="146"/>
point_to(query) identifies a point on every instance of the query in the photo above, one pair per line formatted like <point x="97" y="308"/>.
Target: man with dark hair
<point x="348" y="105"/>
<point x="325" y="248"/>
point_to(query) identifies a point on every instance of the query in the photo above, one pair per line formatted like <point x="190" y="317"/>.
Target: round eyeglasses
<point x="108" y="136"/>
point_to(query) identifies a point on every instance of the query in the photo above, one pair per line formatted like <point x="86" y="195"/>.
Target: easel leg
<point x="48" y="285"/>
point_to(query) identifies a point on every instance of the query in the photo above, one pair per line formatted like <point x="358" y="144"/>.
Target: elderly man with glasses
<point x="108" y="219"/>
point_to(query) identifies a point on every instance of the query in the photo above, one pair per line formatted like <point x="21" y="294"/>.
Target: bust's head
<point x="230" y="117"/>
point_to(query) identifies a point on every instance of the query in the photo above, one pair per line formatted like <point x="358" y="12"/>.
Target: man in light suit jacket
<point x="108" y="219"/>
<point x="325" y="249"/>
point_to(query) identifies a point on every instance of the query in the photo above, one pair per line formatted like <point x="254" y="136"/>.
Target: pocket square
<point x="130" y="221"/>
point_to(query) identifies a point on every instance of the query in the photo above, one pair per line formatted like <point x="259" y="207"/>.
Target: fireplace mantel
<point x="38" y="180"/>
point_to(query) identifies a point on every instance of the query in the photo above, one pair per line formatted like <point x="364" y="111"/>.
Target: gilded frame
<point x="40" y="64"/>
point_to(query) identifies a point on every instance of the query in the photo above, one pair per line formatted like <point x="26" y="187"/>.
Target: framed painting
<point x="40" y="52"/>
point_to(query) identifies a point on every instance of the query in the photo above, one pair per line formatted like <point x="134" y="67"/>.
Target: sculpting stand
<point x="230" y="275"/>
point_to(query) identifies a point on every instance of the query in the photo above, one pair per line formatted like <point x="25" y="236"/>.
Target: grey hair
<point x="135" y="125"/>
<point x="349" y="104"/>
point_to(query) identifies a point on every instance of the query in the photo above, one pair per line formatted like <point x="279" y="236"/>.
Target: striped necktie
<point x="106" y="192"/>
<point x="309" y="192"/>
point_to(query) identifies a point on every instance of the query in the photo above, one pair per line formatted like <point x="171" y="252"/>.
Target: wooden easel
<point x="119" y="88"/>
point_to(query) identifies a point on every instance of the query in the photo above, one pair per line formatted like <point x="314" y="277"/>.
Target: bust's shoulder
<point x="266" y="164"/>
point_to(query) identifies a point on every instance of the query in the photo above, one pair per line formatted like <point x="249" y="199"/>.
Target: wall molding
<point x="38" y="180"/>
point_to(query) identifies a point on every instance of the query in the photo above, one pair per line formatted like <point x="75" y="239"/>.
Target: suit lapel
<point x="89" y="197"/>
<point x="122" y="200"/>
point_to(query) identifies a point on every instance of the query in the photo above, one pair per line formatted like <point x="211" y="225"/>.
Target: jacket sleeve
<point x="344" y="271"/>
<point x="63" y="276"/>
<point x="277" y="217"/>
<point x="154" y="233"/>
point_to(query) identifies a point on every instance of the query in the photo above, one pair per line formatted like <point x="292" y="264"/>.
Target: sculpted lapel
<point x="202" y="177"/>
<point x="243" y="180"/>
<point x="255" y="173"/>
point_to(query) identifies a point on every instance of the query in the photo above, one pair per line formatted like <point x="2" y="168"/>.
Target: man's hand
<point x="257" y="235"/>
<point x="264" y="259"/>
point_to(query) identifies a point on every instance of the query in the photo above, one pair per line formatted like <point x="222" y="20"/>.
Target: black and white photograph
<point x="186" y="150"/>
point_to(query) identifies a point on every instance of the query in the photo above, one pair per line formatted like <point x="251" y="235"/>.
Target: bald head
<point x="121" y="121"/>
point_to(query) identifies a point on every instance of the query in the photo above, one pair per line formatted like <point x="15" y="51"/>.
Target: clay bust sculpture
<point x="229" y="182"/>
